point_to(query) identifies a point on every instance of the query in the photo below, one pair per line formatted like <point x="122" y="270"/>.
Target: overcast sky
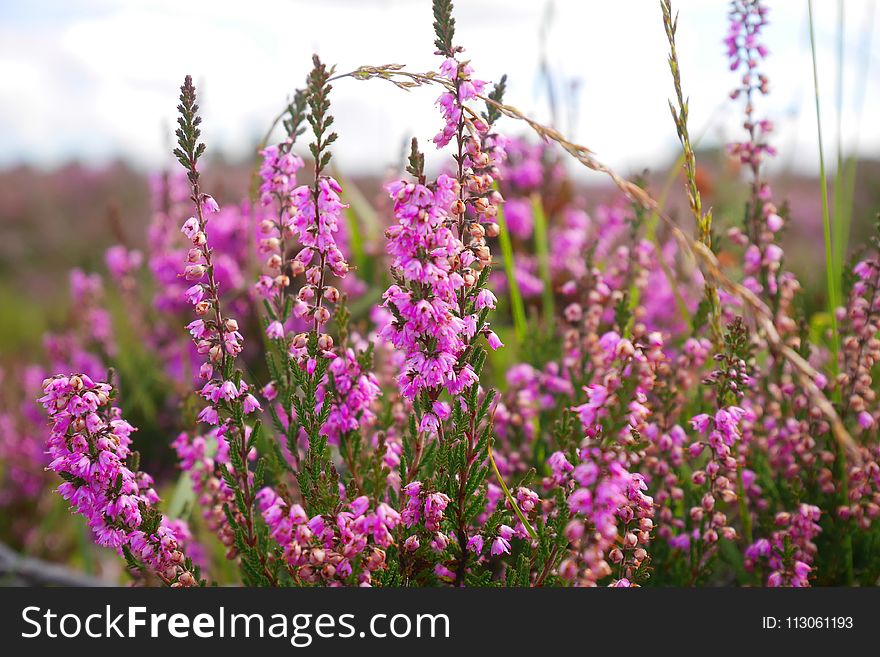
<point x="98" y="79"/>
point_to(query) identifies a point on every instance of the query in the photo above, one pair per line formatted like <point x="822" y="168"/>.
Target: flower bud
<point x="297" y="267"/>
<point x="322" y="315"/>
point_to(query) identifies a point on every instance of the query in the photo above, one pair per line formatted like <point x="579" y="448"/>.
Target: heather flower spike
<point x="218" y="337"/>
<point x="89" y="445"/>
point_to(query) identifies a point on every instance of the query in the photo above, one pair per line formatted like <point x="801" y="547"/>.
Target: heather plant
<point x="659" y="418"/>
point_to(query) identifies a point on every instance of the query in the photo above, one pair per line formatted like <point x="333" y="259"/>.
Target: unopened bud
<point x="476" y="230"/>
<point x="322" y="315"/>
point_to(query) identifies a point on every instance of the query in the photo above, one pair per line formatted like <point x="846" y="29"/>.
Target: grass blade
<point x="840" y="466"/>
<point x="517" y="308"/>
<point x="542" y="248"/>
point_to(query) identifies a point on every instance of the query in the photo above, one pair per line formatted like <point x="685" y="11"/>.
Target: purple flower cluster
<point x="351" y="391"/>
<point x="202" y="456"/>
<point x="423" y="506"/>
<point x="719" y="476"/>
<point x="790" y="550"/>
<point x="612" y="517"/>
<point x="89" y="445"/>
<point x="216" y="338"/>
<point x="316" y="225"/>
<point x="466" y="89"/>
<point x="427" y="325"/>
<point x="330" y="550"/>
<point x="278" y="180"/>
<point x="745" y="50"/>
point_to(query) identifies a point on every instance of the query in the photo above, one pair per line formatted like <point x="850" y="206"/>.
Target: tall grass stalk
<point x="542" y="248"/>
<point x="830" y="265"/>
<point x="840" y="226"/>
<point x="517" y="309"/>
<point x="831" y="284"/>
<point x="680" y="117"/>
<point x="850" y="164"/>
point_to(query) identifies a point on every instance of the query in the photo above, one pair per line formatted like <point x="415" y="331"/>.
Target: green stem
<point x="841" y="224"/>
<point x="513" y="504"/>
<point x="831" y="285"/>
<point x="542" y="247"/>
<point x="851" y="162"/>
<point x="840" y="469"/>
<point x="517" y="308"/>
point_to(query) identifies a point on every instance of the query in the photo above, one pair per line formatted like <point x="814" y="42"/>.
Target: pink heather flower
<point x="727" y="423"/>
<point x="444" y="573"/>
<point x="269" y="393"/>
<point x="121" y="262"/>
<point x="426" y="309"/>
<point x="430" y="424"/>
<point x="278" y="173"/>
<point x="275" y="331"/>
<point x="526" y="499"/>
<point x="195" y="294"/>
<point x="356" y="391"/>
<point x="209" y="205"/>
<point x="586" y="473"/>
<point x="518" y="211"/>
<point x="190" y="227"/>
<point x="485" y="299"/>
<point x="440" y="542"/>
<point x="441" y="410"/>
<point x="500" y="546"/>
<point x="701" y="422"/>
<point x="228" y="391"/>
<point x="475" y="544"/>
<point x="772" y="254"/>
<point x="316" y="227"/>
<point x="493" y="340"/>
<point x="560" y="466"/>
<point x="197" y="329"/>
<point x="98" y="484"/>
<point x="209" y="415"/>
<point x="355" y="533"/>
<point x="250" y="404"/>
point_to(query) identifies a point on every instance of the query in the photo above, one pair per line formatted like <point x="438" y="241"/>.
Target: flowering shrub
<point x="657" y="423"/>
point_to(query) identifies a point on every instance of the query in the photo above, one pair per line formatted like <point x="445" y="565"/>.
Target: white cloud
<point x="100" y="79"/>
